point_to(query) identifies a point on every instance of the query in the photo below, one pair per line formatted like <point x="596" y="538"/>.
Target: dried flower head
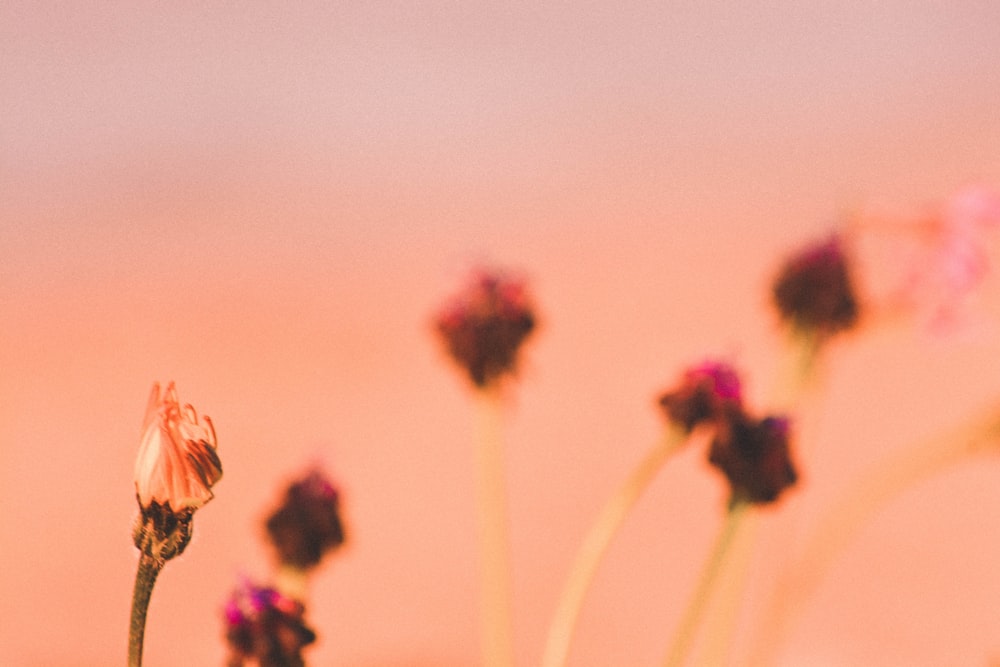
<point x="307" y="524"/>
<point x="485" y="326"/>
<point x="177" y="464"/>
<point x="754" y="455"/>
<point x="814" y="290"/>
<point x="706" y="393"/>
<point x="266" y="627"/>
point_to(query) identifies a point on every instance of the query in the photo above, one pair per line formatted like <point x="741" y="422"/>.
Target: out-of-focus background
<point x="266" y="203"/>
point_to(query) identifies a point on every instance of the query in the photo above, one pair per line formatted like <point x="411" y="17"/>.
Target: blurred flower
<point x="953" y="261"/>
<point x="706" y="392"/>
<point x="307" y="524"/>
<point x="814" y="291"/>
<point x="754" y="455"/>
<point x="177" y="464"/>
<point x="174" y="473"/>
<point x="484" y="327"/>
<point x="266" y="627"/>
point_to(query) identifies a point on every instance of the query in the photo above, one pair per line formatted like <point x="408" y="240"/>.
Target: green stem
<point x="496" y="616"/>
<point x="706" y="583"/>
<point x="833" y="532"/>
<point x="595" y="545"/>
<point x="145" y="577"/>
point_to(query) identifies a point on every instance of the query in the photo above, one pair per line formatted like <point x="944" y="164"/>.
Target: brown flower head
<point x="814" y="290"/>
<point x="754" y="455"/>
<point x="484" y="327"/>
<point x="177" y="464"/>
<point x="307" y="524"/>
<point x="706" y="392"/>
<point x="266" y="627"/>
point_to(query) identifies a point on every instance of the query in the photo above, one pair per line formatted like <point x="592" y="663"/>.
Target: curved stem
<point x="145" y="577"/>
<point x="496" y="628"/>
<point x="594" y="546"/>
<point x="833" y="532"/>
<point x="703" y="591"/>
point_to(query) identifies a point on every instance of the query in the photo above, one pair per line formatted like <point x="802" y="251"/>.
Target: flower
<point x="307" y="524"/>
<point x="706" y="392"/>
<point x="953" y="260"/>
<point x="177" y="464"/>
<point x="814" y="290"/>
<point x="263" y="625"/>
<point x="484" y="326"/>
<point x="754" y="455"/>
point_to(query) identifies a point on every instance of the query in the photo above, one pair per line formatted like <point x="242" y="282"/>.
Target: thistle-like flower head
<point x="484" y="326"/>
<point x="307" y="525"/>
<point x="177" y="464"/>
<point x="266" y="627"/>
<point x="754" y="455"/>
<point x="705" y="394"/>
<point x="814" y="291"/>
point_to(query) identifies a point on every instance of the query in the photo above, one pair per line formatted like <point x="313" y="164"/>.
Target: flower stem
<point x="145" y="577"/>
<point x="596" y="543"/>
<point x="833" y="531"/>
<point x="496" y="623"/>
<point x="706" y="583"/>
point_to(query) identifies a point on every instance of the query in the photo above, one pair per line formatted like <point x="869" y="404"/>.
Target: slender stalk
<point x="145" y="577"/>
<point x="496" y="623"/>
<point x="834" y="531"/>
<point x="800" y="378"/>
<point x="293" y="582"/>
<point x="592" y="550"/>
<point x="685" y="632"/>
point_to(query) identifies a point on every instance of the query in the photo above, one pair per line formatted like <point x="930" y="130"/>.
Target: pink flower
<point x="177" y="464"/>
<point x="931" y="268"/>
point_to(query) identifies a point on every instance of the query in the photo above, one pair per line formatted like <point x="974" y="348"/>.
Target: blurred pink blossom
<point x="931" y="269"/>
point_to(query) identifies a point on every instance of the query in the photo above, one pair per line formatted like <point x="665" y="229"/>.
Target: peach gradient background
<point x="266" y="203"/>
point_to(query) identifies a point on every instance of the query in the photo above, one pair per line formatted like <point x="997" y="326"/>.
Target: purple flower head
<point x="754" y="455"/>
<point x="484" y="326"/>
<point x="265" y="627"/>
<point x="706" y="392"/>
<point x="814" y="291"/>
<point x="307" y="525"/>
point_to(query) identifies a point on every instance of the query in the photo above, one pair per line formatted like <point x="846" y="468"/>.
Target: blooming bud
<point x="706" y="392"/>
<point x="307" y="524"/>
<point x="177" y="464"/>
<point x="814" y="290"/>
<point x="754" y="455"/>
<point x="174" y="473"/>
<point x="265" y="627"/>
<point x="484" y="327"/>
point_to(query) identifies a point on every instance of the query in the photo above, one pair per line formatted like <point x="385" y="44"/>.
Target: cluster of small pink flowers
<point x="484" y="327"/>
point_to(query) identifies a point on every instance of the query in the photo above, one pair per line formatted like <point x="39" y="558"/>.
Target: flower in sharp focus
<point x="706" y="393"/>
<point x="814" y="291"/>
<point x="174" y="473"/>
<point x="485" y="326"/>
<point x="307" y="524"/>
<point x="265" y="627"/>
<point x="177" y="464"/>
<point x="754" y="455"/>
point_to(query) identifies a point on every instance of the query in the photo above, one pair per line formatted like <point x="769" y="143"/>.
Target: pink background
<point x="267" y="203"/>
